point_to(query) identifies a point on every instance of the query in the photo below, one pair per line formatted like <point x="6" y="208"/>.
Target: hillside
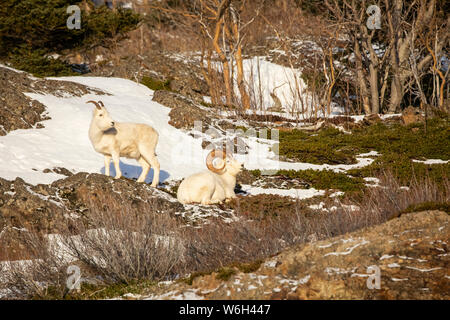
<point x="53" y="173"/>
<point x="342" y="133"/>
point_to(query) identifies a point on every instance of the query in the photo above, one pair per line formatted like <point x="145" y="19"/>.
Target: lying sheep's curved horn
<point x="212" y="156"/>
<point x="96" y="104"/>
<point x="101" y="103"/>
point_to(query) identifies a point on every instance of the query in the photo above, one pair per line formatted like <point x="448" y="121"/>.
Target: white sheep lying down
<point x="214" y="185"/>
<point x="129" y="140"/>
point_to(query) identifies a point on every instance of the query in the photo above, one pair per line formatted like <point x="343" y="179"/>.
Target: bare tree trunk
<point x="374" y="93"/>
<point x="361" y="78"/>
<point x="400" y="45"/>
<point x="245" y="99"/>
<point x="207" y="74"/>
<point x="440" y="87"/>
<point x="224" y="60"/>
<point x="384" y="87"/>
<point x="333" y="81"/>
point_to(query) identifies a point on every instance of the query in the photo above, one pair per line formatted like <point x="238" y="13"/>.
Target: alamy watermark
<point x="73" y="281"/>
<point x="374" y="20"/>
<point x="256" y="148"/>
<point x="374" y="279"/>
<point x="74" y="20"/>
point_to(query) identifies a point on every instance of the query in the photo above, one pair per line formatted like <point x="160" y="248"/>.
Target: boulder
<point x="412" y="115"/>
<point x="371" y="119"/>
<point x="172" y="99"/>
<point x="184" y="117"/>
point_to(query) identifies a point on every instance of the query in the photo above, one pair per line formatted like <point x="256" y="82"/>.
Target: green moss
<point x="331" y="146"/>
<point x="249" y="267"/>
<point x="225" y="273"/>
<point x="404" y="169"/>
<point x="256" y="173"/>
<point x="96" y="292"/>
<point x="322" y="147"/>
<point x="154" y="84"/>
<point x="397" y="145"/>
<point x="326" y="179"/>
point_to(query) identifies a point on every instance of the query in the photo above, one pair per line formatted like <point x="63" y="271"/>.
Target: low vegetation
<point x="154" y="84"/>
<point x="323" y="180"/>
<point x="397" y="146"/>
<point x="127" y="251"/>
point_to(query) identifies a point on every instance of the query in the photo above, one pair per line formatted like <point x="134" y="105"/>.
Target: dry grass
<point x="391" y="199"/>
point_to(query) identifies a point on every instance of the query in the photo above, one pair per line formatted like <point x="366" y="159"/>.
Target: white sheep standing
<point x="214" y="185"/>
<point x="130" y="140"/>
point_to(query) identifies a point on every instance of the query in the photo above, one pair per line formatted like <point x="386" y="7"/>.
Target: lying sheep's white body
<point x="129" y="140"/>
<point x="208" y="187"/>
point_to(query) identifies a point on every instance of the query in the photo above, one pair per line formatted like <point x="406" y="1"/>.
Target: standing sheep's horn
<point x="101" y="103"/>
<point x="215" y="161"/>
<point x="96" y="104"/>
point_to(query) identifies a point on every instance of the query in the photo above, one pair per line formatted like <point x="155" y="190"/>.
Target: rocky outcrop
<point x="411" y="253"/>
<point x="172" y="99"/>
<point x="412" y="115"/>
<point x="23" y="205"/>
<point x="18" y="111"/>
<point x="183" y="117"/>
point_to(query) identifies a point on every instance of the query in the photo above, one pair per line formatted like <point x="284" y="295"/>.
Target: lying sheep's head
<point x="219" y="162"/>
<point x="101" y="116"/>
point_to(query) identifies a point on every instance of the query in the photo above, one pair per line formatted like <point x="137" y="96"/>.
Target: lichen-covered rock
<point x="411" y="115"/>
<point x="172" y="99"/>
<point x="371" y="119"/>
<point x="22" y="205"/>
<point x="184" y="117"/>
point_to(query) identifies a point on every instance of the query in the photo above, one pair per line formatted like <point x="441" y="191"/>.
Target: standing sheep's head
<point x="219" y="162"/>
<point x="101" y="117"/>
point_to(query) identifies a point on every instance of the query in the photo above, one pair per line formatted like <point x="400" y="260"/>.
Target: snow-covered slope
<point x="266" y="79"/>
<point x="64" y="141"/>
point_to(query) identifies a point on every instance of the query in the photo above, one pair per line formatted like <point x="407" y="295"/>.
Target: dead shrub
<point x="126" y="246"/>
<point x="34" y="277"/>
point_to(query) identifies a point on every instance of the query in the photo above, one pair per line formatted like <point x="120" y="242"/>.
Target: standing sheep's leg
<point x="155" y="165"/>
<point x="145" y="168"/>
<point x="116" y="160"/>
<point x="107" y="162"/>
<point x="150" y="157"/>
